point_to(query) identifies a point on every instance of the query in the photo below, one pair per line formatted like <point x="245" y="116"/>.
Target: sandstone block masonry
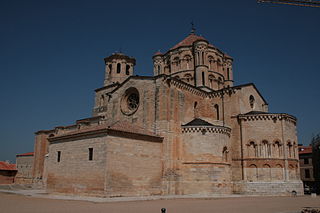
<point x="186" y="130"/>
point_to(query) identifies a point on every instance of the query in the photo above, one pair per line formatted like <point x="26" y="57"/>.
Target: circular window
<point x="130" y="101"/>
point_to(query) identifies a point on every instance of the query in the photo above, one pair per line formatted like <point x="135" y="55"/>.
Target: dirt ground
<point x="23" y="204"/>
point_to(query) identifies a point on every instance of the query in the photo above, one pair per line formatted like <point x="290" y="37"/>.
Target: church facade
<point x="187" y="130"/>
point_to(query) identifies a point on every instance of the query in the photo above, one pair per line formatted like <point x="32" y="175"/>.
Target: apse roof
<point x="256" y="112"/>
<point x="198" y="122"/>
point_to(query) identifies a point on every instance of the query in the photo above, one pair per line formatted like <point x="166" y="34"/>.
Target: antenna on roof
<point x="193" y="30"/>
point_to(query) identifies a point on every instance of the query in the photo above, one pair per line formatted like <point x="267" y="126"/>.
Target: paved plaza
<point x="28" y="204"/>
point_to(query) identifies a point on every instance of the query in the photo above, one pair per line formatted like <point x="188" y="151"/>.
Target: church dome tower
<point x="118" y="68"/>
<point x="197" y="62"/>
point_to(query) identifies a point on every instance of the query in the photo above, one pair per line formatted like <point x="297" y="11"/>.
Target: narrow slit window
<point x="58" y="156"/>
<point x="90" y="153"/>
<point x="203" y="80"/>
<point x="216" y="107"/>
<point x="118" y="68"/>
<point x="110" y="68"/>
<point x="127" y="69"/>
<point x="228" y="73"/>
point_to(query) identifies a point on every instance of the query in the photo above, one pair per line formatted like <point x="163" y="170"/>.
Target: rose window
<point x="130" y="101"/>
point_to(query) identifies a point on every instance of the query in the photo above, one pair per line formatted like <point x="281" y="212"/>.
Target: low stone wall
<point x="269" y="188"/>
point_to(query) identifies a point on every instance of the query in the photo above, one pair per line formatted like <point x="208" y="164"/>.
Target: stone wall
<point x="120" y="166"/>
<point x="24" y="167"/>
<point x="75" y="173"/>
<point x="134" y="167"/>
<point x="205" y="161"/>
<point x="267" y="188"/>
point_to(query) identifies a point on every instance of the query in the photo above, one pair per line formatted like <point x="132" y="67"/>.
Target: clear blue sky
<point x="51" y="55"/>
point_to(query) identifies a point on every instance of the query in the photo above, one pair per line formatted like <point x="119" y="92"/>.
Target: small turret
<point x="118" y="68"/>
<point x="158" y="63"/>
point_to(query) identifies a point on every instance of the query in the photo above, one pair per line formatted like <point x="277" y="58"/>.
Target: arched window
<point x="187" y="58"/>
<point x="252" y="173"/>
<point x="118" y="68"/>
<point x="211" y="79"/>
<point x="127" y="69"/>
<point x="265" y="149"/>
<point x="110" y="68"/>
<point x="188" y="77"/>
<point x="251" y="101"/>
<point x="266" y="172"/>
<point x="158" y="69"/>
<point x="252" y="149"/>
<point x="216" y="107"/>
<point x="277" y="149"/>
<point x="225" y="152"/>
<point x="176" y="61"/>
<point x="210" y="60"/>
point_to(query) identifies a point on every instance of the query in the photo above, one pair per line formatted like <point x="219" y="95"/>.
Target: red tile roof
<point x="7" y="166"/>
<point x="25" y="154"/>
<point x="158" y="53"/>
<point x="305" y="150"/>
<point x="188" y="41"/>
<point x="129" y="127"/>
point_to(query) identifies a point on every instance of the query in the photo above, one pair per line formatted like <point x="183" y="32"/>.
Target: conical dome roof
<point x="189" y="40"/>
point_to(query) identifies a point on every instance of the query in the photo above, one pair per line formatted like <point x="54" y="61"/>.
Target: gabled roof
<point x="25" y="154"/>
<point x="107" y="128"/>
<point x="198" y="122"/>
<point x="189" y="40"/>
<point x="7" y="166"/>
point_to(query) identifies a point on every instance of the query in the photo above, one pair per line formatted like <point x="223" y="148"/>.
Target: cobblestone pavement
<point x="28" y="203"/>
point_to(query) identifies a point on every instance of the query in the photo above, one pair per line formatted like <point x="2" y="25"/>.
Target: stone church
<point x="187" y="130"/>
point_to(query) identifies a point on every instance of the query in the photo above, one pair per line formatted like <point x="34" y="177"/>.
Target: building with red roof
<point x="8" y="172"/>
<point x="306" y="167"/>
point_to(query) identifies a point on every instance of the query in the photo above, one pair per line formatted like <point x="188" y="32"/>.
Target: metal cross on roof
<point x="193" y="30"/>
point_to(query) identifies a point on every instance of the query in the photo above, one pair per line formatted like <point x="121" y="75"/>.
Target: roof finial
<point x="193" y="30"/>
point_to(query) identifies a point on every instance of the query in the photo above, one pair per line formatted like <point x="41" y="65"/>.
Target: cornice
<point x="268" y="116"/>
<point x="205" y="129"/>
<point x="206" y="162"/>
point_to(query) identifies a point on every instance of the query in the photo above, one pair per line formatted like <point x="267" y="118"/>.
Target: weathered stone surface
<point x="234" y="146"/>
